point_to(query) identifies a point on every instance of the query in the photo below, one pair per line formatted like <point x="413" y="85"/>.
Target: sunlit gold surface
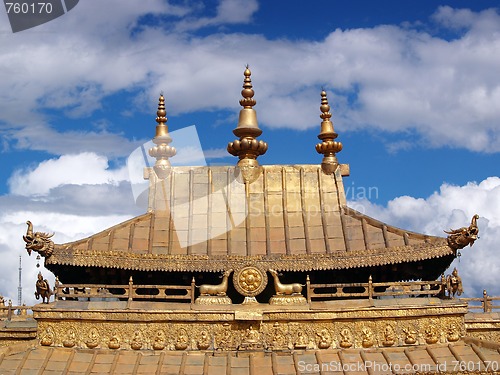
<point x="247" y="148"/>
<point x="329" y="147"/>
<point x="162" y="151"/>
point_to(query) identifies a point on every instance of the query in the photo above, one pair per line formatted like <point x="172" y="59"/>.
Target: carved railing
<point x="9" y="312"/>
<point x="370" y="290"/>
<point x="485" y="303"/>
<point x="130" y="292"/>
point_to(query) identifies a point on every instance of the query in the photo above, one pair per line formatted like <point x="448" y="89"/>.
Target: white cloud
<point x="389" y="77"/>
<point x="79" y="169"/>
<point x="451" y="208"/>
<point x="67" y="228"/>
<point x="73" y="196"/>
<point x="227" y="12"/>
<point x="41" y="137"/>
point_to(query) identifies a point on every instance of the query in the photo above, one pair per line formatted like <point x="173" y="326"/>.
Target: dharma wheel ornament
<point x="162" y="151"/>
<point x="329" y="147"/>
<point x="248" y="148"/>
<point x="250" y="281"/>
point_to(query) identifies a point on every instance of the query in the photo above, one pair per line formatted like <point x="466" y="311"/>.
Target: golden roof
<point x="284" y="217"/>
<point x="291" y="218"/>
<point x="423" y="359"/>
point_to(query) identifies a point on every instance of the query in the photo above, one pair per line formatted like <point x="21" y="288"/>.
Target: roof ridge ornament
<point x="329" y="147"/>
<point x="460" y="238"/>
<point x="248" y="148"/>
<point x="162" y="151"/>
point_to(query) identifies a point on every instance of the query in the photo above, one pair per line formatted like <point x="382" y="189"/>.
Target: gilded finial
<point x="248" y="148"/>
<point x="162" y="151"/>
<point x="329" y="147"/>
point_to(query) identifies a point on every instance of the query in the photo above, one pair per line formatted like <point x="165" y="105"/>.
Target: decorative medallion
<point x="250" y="281"/>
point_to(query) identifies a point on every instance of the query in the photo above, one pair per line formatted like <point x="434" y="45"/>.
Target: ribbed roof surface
<point x="294" y="216"/>
<point x="424" y="359"/>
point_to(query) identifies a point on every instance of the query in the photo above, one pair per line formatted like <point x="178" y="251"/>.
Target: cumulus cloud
<point x="227" y="12"/>
<point x="67" y="228"/>
<point x="452" y="207"/>
<point x="84" y="168"/>
<point x="393" y="78"/>
<point x="73" y="196"/>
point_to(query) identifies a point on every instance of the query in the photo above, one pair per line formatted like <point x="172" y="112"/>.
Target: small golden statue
<point x="182" y="341"/>
<point x="453" y="333"/>
<point x="42" y="289"/>
<point x="459" y="238"/>
<point x="218" y="289"/>
<point x="346" y="338"/>
<point x="136" y="342"/>
<point x="389" y="336"/>
<point x="367" y="336"/>
<point x="204" y="341"/>
<point x="454" y="284"/>
<point x="431" y="336"/>
<point x="48" y="337"/>
<point x="114" y="341"/>
<point x="301" y="342"/>
<point x="160" y="339"/>
<point x="70" y="339"/>
<point x="93" y="338"/>
<point x="410" y="336"/>
<point x="325" y="339"/>
<point x="251" y="339"/>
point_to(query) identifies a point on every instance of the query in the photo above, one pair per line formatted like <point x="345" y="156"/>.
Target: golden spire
<point x="162" y="151"/>
<point x="247" y="148"/>
<point x="328" y="147"/>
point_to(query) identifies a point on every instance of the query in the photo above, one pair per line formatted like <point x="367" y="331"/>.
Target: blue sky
<point x="414" y="88"/>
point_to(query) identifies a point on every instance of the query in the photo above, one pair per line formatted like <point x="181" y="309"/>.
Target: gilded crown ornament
<point x="248" y="148"/>
<point x="162" y="151"/>
<point x="329" y="147"/>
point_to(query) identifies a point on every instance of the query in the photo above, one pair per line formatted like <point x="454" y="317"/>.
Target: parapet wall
<point x="321" y="325"/>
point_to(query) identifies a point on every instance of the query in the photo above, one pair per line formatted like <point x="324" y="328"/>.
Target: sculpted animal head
<point x="38" y="241"/>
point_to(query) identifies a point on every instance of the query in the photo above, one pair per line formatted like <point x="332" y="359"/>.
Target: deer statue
<point x="216" y="290"/>
<point x="284" y="289"/>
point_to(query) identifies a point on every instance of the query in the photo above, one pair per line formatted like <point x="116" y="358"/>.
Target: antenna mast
<point x="20" y="288"/>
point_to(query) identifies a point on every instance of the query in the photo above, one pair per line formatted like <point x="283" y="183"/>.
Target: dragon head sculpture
<point x="38" y="241"/>
<point x="459" y="238"/>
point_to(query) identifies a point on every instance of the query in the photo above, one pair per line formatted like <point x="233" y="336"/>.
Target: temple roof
<point x="293" y="217"/>
<point x="423" y="359"/>
<point x="285" y="217"/>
